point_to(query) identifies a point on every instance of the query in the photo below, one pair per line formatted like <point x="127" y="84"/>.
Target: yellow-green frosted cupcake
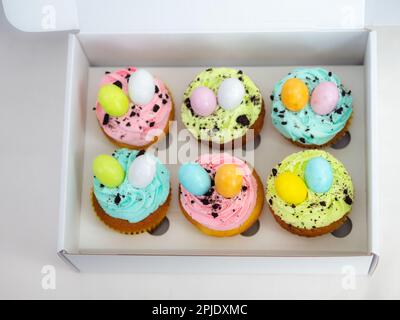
<point x="310" y="193"/>
<point x="221" y="105"/>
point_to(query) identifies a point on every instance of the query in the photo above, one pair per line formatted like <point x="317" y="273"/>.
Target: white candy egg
<point x="141" y="87"/>
<point x="142" y="171"/>
<point x="230" y="93"/>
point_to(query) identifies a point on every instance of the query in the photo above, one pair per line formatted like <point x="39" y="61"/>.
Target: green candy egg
<point x="108" y="170"/>
<point x="113" y="100"/>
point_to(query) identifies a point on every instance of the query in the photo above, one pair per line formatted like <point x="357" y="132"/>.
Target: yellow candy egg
<point x="228" y="180"/>
<point x="291" y="188"/>
<point x="294" y="94"/>
<point x="113" y="100"/>
<point x="108" y="170"/>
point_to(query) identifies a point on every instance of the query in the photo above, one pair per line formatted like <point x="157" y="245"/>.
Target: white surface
<point x="30" y="189"/>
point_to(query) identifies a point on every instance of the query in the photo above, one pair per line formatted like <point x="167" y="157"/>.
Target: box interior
<point x="177" y="58"/>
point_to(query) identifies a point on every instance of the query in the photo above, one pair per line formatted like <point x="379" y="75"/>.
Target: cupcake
<point x="131" y="190"/>
<point x="220" y="194"/>
<point x="221" y="105"/>
<point x="311" y="107"/>
<point x="133" y="108"/>
<point x="310" y="193"/>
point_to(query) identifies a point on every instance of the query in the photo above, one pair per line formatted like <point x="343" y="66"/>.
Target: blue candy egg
<point x="194" y="178"/>
<point x="318" y="175"/>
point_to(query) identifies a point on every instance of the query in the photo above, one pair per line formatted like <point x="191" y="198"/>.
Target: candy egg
<point x="291" y="188"/>
<point x="230" y="93"/>
<point x="108" y="171"/>
<point x="324" y="98"/>
<point x="203" y="101"/>
<point x="113" y="100"/>
<point x="194" y="178"/>
<point x="228" y="180"/>
<point x="294" y="94"/>
<point x="318" y="175"/>
<point x="141" y="87"/>
<point x="142" y="171"/>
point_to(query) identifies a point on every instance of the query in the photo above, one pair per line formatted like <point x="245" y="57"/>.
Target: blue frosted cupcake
<point x="131" y="190"/>
<point x="311" y="107"/>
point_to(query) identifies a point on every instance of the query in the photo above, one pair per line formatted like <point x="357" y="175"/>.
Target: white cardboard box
<point x="265" y="42"/>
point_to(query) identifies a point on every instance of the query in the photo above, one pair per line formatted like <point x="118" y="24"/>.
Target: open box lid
<point x="155" y="16"/>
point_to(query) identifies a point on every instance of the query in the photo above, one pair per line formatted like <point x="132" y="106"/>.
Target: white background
<point x="32" y="83"/>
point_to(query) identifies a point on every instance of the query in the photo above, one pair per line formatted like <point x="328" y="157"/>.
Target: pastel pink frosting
<point x="214" y="211"/>
<point x="142" y="122"/>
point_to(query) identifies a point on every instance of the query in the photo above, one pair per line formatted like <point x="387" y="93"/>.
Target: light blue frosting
<point x="127" y="202"/>
<point x="306" y="126"/>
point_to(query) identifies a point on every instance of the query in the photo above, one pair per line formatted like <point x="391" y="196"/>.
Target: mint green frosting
<point x="127" y="202"/>
<point x="222" y="125"/>
<point x="319" y="209"/>
<point x="305" y="126"/>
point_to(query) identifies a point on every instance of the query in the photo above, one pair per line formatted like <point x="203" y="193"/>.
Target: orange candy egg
<point x="228" y="180"/>
<point x="294" y="94"/>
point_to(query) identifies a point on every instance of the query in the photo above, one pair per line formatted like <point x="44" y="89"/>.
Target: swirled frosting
<point x="305" y="126"/>
<point x="127" y="202"/>
<point x="222" y="125"/>
<point x="319" y="209"/>
<point x="141" y="123"/>
<point x="214" y="211"/>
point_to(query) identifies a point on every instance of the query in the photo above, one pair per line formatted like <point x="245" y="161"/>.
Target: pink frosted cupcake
<point x="220" y="194"/>
<point x="133" y="108"/>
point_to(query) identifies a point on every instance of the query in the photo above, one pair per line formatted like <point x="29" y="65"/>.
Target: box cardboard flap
<point x="42" y="15"/>
<point x="155" y="16"/>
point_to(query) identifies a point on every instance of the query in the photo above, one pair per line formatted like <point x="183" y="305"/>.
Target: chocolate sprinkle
<point x="140" y="153"/>
<point x="323" y="203"/>
<point x="157" y="89"/>
<point x="117" y="199"/>
<point x="348" y="200"/>
<point x="106" y="119"/>
<point x="243" y="120"/>
<point x="270" y="201"/>
<point x="274" y="172"/>
<point x="118" y="84"/>
<point x="214" y="215"/>
<point x="339" y="110"/>
<point x="156" y="108"/>
<point x="164" y="101"/>
<point x="151" y="124"/>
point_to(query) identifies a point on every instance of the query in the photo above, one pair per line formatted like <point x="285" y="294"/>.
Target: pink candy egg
<point x="203" y="101"/>
<point x="324" y="98"/>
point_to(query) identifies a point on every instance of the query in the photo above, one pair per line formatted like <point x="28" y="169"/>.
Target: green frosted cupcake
<point x="222" y="105"/>
<point x="310" y="193"/>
